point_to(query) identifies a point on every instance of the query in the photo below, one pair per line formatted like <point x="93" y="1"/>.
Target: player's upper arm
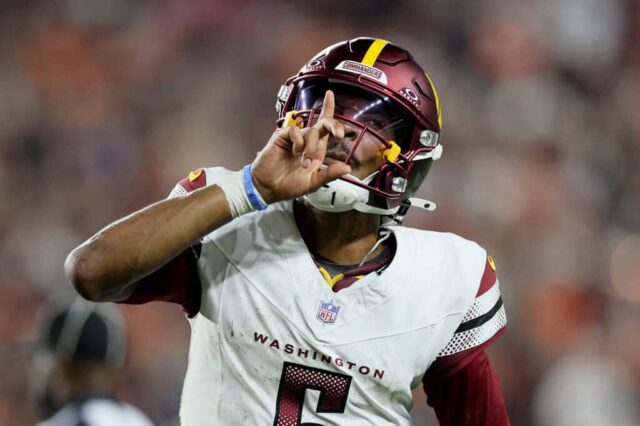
<point x="484" y="321"/>
<point x="177" y="281"/>
<point x="460" y="384"/>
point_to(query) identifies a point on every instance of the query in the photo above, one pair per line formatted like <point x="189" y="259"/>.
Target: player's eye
<point x="373" y="123"/>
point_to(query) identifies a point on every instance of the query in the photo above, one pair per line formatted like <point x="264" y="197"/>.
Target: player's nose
<point x="350" y="136"/>
<point x="350" y="133"/>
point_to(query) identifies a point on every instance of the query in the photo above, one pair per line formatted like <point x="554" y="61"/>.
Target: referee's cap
<point x="84" y="331"/>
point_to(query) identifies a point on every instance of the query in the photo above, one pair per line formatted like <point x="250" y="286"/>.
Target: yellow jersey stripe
<point x="374" y="51"/>
<point x="437" y="100"/>
<point x="335" y="279"/>
<point x="326" y="276"/>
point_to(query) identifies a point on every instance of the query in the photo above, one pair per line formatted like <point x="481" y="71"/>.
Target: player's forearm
<point x="105" y="267"/>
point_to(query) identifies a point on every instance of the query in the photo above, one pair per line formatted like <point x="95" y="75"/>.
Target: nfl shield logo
<point x="328" y="312"/>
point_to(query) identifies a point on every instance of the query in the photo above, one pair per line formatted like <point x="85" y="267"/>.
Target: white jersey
<point x="98" y="412"/>
<point x="273" y="344"/>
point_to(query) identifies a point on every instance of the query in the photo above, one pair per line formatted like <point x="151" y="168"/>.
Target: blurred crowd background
<point x="106" y="104"/>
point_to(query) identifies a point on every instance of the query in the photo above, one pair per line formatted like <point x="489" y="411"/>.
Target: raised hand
<point x="289" y="165"/>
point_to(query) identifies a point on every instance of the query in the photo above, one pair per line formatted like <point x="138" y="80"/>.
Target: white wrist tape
<point x="242" y="197"/>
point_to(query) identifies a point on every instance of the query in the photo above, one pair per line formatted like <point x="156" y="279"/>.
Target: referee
<point x="80" y="352"/>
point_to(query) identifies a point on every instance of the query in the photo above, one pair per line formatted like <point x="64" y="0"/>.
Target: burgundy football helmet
<point x="383" y="94"/>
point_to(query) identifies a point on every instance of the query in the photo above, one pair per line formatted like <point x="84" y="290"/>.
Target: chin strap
<point x="422" y="203"/>
<point x="398" y="217"/>
<point x="397" y="213"/>
<point x="340" y="195"/>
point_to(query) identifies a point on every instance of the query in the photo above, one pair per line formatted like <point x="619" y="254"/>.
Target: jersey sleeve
<point x="460" y="384"/>
<point x="468" y="396"/>
<point x="484" y="321"/>
<point x="177" y="281"/>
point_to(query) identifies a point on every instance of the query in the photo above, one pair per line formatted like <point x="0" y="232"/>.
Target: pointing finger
<point x="330" y="126"/>
<point x="328" y="105"/>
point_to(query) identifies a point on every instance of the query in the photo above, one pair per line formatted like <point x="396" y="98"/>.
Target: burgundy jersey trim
<point x="468" y="395"/>
<point x="347" y="278"/>
<point x="197" y="179"/>
<point x="175" y="282"/>
<point x="485" y="318"/>
<point x="447" y="365"/>
<point x="488" y="278"/>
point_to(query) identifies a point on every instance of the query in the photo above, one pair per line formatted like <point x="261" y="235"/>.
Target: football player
<point x="308" y="302"/>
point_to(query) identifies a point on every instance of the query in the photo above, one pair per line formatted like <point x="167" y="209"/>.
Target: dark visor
<point x="380" y="113"/>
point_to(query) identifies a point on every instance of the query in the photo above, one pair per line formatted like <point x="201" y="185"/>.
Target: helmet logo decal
<point x="411" y="96"/>
<point x="315" y="65"/>
<point x="358" y="68"/>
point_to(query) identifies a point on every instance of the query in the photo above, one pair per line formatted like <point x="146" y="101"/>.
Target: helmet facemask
<point x="377" y="146"/>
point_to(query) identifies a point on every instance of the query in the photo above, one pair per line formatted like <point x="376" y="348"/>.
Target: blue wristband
<point x="254" y="197"/>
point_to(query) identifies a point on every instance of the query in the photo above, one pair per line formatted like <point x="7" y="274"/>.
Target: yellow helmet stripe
<point x="374" y="51"/>
<point x="435" y="95"/>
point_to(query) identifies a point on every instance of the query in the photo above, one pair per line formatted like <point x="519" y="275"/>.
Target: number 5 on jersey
<point x="296" y="379"/>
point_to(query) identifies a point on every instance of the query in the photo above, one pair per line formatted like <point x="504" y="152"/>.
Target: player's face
<point x="366" y="158"/>
<point x="369" y="111"/>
